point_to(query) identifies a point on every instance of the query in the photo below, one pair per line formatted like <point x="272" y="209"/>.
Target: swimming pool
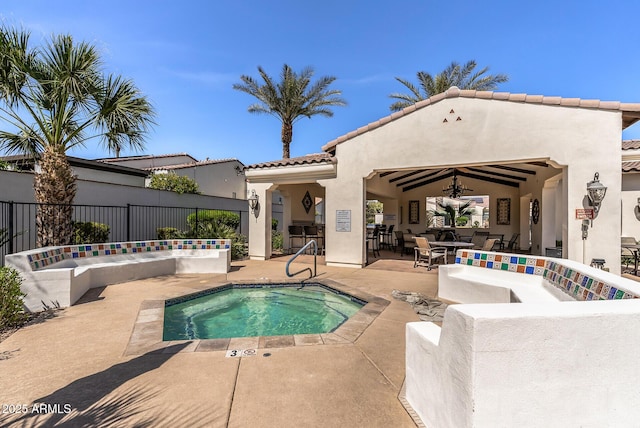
<point x="258" y="310"/>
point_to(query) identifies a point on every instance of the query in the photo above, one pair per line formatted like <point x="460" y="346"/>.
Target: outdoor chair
<point x="373" y="242"/>
<point x="627" y="254"/>
<point x="295" y="233"/>
<point x="424" y="253"/>
<point x="386" y="237"/>
<point x="311" y="233"/>
<point x="489" y="244"/>
<point x="405" y="242"/>
<point x="479" y="238"/>
<point x="511" y="246"/>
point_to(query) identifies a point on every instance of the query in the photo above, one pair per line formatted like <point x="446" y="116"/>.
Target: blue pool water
<point x="261" y="311"/>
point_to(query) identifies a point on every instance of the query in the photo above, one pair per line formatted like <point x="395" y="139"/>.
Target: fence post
<point x="10" y="228"/>
<point x="196" y="227"/>
<point x="128" y="222"/>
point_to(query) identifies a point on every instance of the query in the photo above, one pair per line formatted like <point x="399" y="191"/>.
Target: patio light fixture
<point x="253" y="201"/>
<point x="455" y="189"/>
<point x="596" y="192"/>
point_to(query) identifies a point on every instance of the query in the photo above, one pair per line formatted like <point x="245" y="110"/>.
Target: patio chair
<point x="627" y="254"/>
<point x="373" y="242"/>
<point x="295" y="232"/>
<point x="489" y="244"/>
<point x="386" y="237"/>
<point x="478" y="239"/>
<point x="424" y="253"/>
<point x="405" y="242"/>
<point x="311" y="233"/>
<point x="511" y="245"/>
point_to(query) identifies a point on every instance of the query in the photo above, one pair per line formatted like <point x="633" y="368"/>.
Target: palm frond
<point x="453" y="75"/>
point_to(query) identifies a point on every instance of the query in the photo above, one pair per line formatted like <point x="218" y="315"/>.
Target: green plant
<point x="11" y="303"/>
<point x="212" y="230"/>
<point x="170" y="233"/>
<point x="274" y="224"/>
<point x="239" y="247"/>
<point x="462" y="221"/>
<point x="174" y="183"/>
<point x="277" y="240"/>
<point x="56" y="97"/>
<point x="450" y="211"/>
<point x="227" y="218"/>
<point x="90" y="232"/>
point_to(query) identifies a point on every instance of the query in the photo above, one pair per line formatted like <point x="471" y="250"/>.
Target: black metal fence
<point x="18" y="230"/>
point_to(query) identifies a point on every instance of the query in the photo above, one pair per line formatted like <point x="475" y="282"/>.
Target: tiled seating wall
<point x="578" y="285"/>
<point x="51" y="255"/>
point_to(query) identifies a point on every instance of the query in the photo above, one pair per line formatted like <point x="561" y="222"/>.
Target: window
<point x="465" y="211"/>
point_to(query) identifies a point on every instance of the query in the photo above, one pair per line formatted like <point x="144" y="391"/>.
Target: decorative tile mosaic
<point x="57" y="254"/>
<point x="576" y="284"/>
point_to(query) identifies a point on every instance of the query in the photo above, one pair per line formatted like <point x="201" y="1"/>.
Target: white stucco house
<point x="534" y="153"/>
<point x="215" y="177"/>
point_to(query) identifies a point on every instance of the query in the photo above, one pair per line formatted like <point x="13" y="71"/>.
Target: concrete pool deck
<point x="79" y="359"/>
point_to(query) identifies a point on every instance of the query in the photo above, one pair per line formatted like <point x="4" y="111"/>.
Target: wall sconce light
<point x="596" y="192"/>
<point x="253" y="200"/>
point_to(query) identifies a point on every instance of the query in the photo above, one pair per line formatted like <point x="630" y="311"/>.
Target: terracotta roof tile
<point x="454" y="92"/>
<point x="633" y="166"/>
<point x="301" y="160"/>
<point x="630" y="144"/>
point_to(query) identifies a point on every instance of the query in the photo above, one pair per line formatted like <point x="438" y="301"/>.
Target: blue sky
<point x="185" y="56"/>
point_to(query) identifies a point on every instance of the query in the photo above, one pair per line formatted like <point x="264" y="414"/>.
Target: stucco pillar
<point x="260" y="222"/>
<point x="344" y="197"/>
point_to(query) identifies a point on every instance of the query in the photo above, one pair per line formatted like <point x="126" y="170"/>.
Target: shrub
<point x="208" y="230"/>
<point x="276" y="240"/>
<point x="90" y="232"/>
<point x="11" y="304"/>
<point x="170" y="233"/>
<point x="227" y="218"/>
<point x="274" y="224"/>
<point x="239" y="247"/>
<point x="174" y="183"/>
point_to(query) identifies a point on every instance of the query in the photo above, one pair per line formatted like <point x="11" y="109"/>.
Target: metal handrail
<point x="315" y="255"/>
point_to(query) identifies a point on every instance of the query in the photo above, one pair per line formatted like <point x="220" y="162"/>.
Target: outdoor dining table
<point x="634" y="248"/>
<point x="454" y="245"/>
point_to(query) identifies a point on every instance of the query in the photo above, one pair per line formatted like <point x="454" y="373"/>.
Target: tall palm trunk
<point x="287" y="136"/>
<point x="55" y="190"/>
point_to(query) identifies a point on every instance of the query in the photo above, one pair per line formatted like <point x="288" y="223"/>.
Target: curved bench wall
<point x="59" y="276"/>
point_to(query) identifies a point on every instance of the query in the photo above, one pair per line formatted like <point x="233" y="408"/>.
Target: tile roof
<point x="631" y="111"/>
<point x="139" y="157"/>
<point x="631" y="166"/>
<point x="630" y="144"/>
<point x="192" y="164"/>
<point x="301" y="160"/>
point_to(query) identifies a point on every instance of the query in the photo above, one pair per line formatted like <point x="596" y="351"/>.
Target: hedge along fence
<point x="227" y="218"/>
<point x="205" y="224"/>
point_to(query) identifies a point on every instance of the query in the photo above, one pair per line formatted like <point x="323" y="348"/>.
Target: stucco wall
<point x="489" y="131"/>
<point x="218" y="179"/>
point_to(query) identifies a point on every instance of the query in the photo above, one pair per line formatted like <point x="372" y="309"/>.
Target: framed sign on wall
<point x="504" y="211"/>
<point x="414" y="212"/>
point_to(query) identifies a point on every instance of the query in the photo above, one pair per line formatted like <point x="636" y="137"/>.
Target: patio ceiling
<point x="506" y="175"/>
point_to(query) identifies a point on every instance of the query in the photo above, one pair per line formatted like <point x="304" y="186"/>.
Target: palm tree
<point x="292" y="98"/>
<point x="54" y="98"/>
<point x="453" y="75"/>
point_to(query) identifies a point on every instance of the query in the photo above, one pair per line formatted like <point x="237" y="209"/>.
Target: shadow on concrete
<point x="92" y="295"/>
<point x="94" y="401"/>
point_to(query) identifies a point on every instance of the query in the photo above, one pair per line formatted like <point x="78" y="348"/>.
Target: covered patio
<point x="531" y="156"/>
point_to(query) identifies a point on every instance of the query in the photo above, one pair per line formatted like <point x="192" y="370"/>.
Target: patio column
<point x="260" y="222"/>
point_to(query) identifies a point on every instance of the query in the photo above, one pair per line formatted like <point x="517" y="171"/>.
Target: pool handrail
<point x="315" y="255"/>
